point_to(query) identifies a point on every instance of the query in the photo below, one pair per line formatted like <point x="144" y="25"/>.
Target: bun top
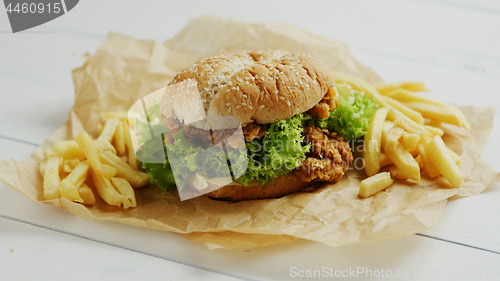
<point x="258" y="86"/>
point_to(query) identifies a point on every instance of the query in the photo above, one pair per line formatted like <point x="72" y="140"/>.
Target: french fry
<point x="396" y="173"/>
<point x="50" y="152"/>
<point x="385" y="131"/>
<point x="420" y="161"/>
<point x="122" y="115"/>
<point x="410" y="86"/>
<point x="374" y="184"/>
<point x="71" y="149"/>
<point x="70" y="185"/>
<point x="42" y="166"/>
<point x="69" y="164"/>
<point x="136" y="178"/>
<point x="99" y="128"/>
<point x="109" y="171"/>
<point x="371" y="152"/>
<point x="405" y="162"/>
<point x="89" y="151"/>
<point x="132" y="160"/>
<point x="412" y="114"/>
<point x="86" y="194"/>
<point x="51" y="179"/>
<point x="434" y="130"/>
<point x="430" y="166"/>
<point x="392" y="139"/>
<point x="446" y="165"/>
<point x="125" y="189"/>
<point x="410" y="141"/>
<point x="403" y="95"/>
<point x="119" y="140"/>
<point x="109" y="129"/>
<point x="436" y="112"/>
<point x="106" y="190"/>
<point x="384" y="160"/>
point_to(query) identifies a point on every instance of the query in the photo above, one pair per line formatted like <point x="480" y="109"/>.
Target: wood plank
<point x="32" y="253"/>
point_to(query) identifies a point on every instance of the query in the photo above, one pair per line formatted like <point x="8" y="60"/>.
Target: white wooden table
<point x="452" y="45"/>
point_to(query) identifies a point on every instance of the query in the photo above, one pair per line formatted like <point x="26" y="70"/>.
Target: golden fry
<point x="412" y="114"/>
<point x="122" y="115"/>
<point x="70" y="185"/>
<point x="410" y="86"/>
<point x="430" y="166"/>
<point x="410" y="141"/>
<point x="385" y="131"/>
<point x="51" y="179"/>
<point x="125" y="189"/>
<point x="109" y="171"/>
<point x="86" y="194"/>
<point x="89" y="151"/>
<point x="439" y="153"/>
<point x="120" y="140"/>
<point x="132" y="160"/>
<point x="69" y="164"/>
<point x="436" y="112"/>
<point x="374" y="184"/>
<point x="392" y="139"/>
<point x="109" y="129"/>
<point x="405" y="163"/>
<point x="384" y="160"/>
<point x="396" y="173"/>
<point x="136" y="178"/>
<point x="71" y="149"/>
<point x="371" y="152"/>
<point x="106" y="190"/>
<point x="434" y="131"/>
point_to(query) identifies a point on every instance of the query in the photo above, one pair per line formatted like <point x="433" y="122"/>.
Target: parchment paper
<point x="124" y="69"/>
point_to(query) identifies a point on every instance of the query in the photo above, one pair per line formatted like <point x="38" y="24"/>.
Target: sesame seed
<point x="296" y="84"/>
<point x="246" y="82"/>
<point x="251" y="107"/>
<point x="282" y="98"/>
<point x="229" y="110"/>
<point x="288" y="102"/>
<point x="228" y="104"/>
<point x="307" y="85"/>
<point x="262" y="78"/>
<point x="244" y="103"/>
<point x="262" y="106"/>
<point x="245" y="96"/>
<point x="238" y="106"/>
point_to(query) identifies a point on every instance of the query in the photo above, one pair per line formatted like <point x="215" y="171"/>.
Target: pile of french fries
<point x="109" y="160"/>
<point x="404" y="135"/>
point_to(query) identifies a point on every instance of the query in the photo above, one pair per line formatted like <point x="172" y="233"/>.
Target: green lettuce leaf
<point x="279" y="151"/>
<point x="350" y="118"/>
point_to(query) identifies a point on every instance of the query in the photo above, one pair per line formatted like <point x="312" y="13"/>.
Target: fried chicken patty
<point x="329" y="158"/>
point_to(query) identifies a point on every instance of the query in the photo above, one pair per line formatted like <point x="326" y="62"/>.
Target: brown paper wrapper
<point x="124" y="69"/>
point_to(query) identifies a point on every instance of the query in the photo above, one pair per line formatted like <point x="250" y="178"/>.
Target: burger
<point x="297" y="126"/>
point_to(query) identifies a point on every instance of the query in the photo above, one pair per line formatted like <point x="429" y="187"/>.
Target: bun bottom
<point x="282" y="186"/>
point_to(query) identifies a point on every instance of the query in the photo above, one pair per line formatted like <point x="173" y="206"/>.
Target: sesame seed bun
<point x="257" y="86"/>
